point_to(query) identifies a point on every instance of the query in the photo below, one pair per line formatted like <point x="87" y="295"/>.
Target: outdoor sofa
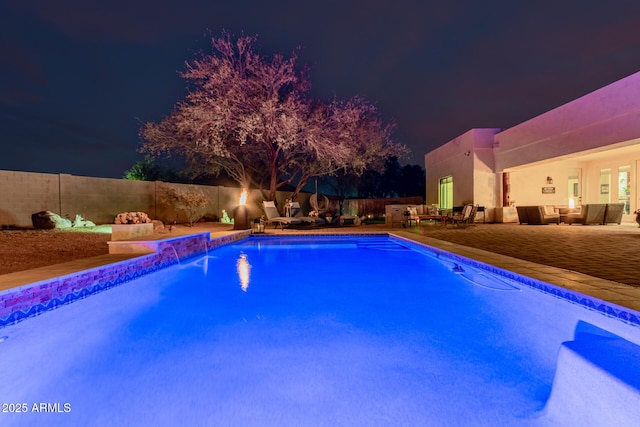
<point x="597" y="213"/>
<point x="538" y="215"/>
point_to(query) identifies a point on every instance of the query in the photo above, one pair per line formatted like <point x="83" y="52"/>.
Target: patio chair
<point x="273" y="216"/>
<point x="296" y="212"/>
<point x="538" y="215"/>
<point x="466" y="217"/>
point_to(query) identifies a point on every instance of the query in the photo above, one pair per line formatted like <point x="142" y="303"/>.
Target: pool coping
<point x="28" y="300"/>
<point x="492" y="264"/>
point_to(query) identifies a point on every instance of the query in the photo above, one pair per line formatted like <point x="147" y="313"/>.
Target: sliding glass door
<point x="445" y="198"/>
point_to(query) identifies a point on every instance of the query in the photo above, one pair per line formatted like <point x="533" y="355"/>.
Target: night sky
<point x="79" y="77"/>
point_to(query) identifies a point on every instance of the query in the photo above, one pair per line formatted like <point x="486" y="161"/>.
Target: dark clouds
<point x="78" y="78"/>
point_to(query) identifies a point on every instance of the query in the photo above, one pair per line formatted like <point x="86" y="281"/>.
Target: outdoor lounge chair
<point x="296" y="212"/>
<point x="273" y="216"/>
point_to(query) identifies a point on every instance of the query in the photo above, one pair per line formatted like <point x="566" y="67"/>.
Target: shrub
<point x="132" y="218"/>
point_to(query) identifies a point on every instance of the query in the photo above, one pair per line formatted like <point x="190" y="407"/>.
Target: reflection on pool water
<point x="321" y="331"/>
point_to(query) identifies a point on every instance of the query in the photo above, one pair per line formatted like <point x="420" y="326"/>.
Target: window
<point x="446" y="193"/>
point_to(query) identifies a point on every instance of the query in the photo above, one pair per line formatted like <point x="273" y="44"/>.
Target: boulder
<point x="48" y="220"/>
<point x="209" y="217"/>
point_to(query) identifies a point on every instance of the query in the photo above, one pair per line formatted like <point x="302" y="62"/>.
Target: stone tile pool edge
<point x="608" y="308"/>
<point x="23" y="302"/>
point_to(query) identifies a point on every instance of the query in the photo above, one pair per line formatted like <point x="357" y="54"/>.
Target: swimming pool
<point x="320" y="331"/>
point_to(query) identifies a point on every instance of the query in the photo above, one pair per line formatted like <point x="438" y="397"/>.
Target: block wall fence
<point x="101" y="199"/>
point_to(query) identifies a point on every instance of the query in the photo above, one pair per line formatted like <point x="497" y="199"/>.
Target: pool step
<point x="382" y="245"/>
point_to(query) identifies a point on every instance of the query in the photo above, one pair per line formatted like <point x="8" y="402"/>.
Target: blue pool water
<point x="335" y="331"/>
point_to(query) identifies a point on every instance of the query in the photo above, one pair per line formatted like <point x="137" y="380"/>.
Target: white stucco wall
<point x="486" y="183"/>
<point x="468" y="159"/>
<point x="527" y="183"/>
<point x="609" y="115"/>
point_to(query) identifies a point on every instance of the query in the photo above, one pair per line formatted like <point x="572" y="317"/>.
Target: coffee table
<point x="442" y="218"/>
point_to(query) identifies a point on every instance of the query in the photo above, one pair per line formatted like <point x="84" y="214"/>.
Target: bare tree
<point x="253" y="118"/>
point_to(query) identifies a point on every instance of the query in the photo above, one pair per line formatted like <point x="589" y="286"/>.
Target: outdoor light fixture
<point x="258" y="225"/>
<point x="240" y="221"/>
<point x="549" y="180"/>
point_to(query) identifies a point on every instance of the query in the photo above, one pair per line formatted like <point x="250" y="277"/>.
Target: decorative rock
<point x="209" y="217"/>
<point x="225" y="218"/>
<point x="81" y="222"/>
<point x="49" y="220"/>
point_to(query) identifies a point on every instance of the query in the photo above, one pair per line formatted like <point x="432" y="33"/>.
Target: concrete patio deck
<point x="600" y="261"/>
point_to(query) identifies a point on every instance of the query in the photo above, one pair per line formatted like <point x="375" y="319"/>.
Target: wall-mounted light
<point x="549" y="180"/>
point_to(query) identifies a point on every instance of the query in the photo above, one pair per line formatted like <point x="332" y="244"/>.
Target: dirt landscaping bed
<point x="26" y="249"/>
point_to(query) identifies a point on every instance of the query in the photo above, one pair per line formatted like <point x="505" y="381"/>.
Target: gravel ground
<point x="27" y="249"/>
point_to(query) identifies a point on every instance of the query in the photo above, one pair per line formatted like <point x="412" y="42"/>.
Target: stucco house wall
<point x="527" y="184"/>
<point x="597" y="131"/>
<point x="451" y="159"/>
<point x="468" y="158"/>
